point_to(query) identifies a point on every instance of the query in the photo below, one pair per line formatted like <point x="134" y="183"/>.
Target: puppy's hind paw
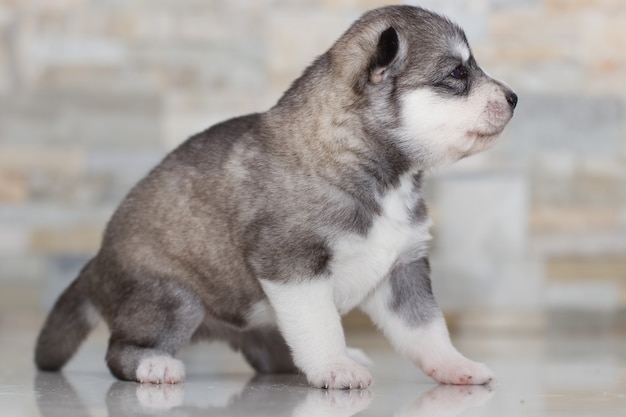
<point x="160" y="370"/>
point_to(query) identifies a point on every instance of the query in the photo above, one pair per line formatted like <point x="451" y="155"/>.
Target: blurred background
<point x="529" y="237"/>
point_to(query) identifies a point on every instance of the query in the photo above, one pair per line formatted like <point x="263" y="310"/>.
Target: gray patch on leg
<point x="123" y="359"/>
<point x="266" y="351"/>
<point x="151" y="324"/>
<point x="411" y="293"/>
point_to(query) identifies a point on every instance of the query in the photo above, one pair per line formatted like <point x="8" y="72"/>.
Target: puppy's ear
<point x="367" y="54"/>
<point x="386" y="52"/>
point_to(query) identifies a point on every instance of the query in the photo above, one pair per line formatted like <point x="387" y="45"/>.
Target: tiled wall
<point x="93" y="93"/>
<point x="540" y="221"/>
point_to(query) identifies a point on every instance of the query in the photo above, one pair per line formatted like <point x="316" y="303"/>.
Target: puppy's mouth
<point x="484" y="135"/>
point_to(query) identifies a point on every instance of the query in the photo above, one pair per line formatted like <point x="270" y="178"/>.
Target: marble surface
<point x="537" y="376"/>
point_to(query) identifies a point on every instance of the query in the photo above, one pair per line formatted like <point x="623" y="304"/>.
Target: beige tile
<point x="73" y="240"/>
<point x="13" y="188"/>
<point x="596" y="268"/>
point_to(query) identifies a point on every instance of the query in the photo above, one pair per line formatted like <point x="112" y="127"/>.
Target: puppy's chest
<point x="360" y="263"/>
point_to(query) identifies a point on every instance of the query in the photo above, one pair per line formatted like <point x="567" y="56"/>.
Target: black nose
<point x="511" y="97"/>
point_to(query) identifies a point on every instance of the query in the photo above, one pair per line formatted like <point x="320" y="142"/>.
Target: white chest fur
<point x="360" y="263"/>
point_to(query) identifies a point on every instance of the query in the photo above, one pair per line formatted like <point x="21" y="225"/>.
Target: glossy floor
<point x="582" y="376"/>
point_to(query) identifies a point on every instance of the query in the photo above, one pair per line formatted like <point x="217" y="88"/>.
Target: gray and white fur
<point x="264" y="229"/>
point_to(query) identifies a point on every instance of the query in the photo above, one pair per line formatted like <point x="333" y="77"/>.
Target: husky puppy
<point x="264" y="229"/>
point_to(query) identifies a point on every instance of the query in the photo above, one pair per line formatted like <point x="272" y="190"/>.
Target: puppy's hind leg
<point x="404" y="308"/>
<point x="149" y="329"/>
<point x="266" y="351"/>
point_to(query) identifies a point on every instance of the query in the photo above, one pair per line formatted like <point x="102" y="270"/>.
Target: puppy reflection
<point x="262" y="396"/>
<point x="447" y="401"/>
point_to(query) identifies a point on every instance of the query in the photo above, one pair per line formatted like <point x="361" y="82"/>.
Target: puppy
<point x="264" y="229"/>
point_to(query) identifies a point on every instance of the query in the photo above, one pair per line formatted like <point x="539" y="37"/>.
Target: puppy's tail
<point x="68" y="324"/>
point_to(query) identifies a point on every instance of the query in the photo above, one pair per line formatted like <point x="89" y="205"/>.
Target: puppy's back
<point x="185" y="221"/>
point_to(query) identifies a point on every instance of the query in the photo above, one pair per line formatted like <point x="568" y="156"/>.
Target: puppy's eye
<point x="459" y="73"/>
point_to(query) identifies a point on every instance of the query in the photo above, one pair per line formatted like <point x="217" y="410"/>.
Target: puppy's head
<point x="420" y="85"/>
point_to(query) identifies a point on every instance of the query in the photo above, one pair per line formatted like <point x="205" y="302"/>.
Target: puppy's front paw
<point x="343" y="373"/>
<point x="160" y="370"/>
<point x="459" y="371"/>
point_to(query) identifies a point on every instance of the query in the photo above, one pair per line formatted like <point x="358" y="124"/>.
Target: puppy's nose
<point x="511" y="98"/>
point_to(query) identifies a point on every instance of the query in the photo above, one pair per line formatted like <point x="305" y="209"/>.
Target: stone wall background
<point x="94" y="92"/>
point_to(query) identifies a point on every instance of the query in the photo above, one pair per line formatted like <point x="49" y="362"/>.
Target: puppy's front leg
<point x="404" y="308"/>
<point x="308" y="319"/>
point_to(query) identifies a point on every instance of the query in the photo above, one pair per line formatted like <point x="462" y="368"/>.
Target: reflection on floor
<point x="260" y="396"/>
<point x="581" y="376"/>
